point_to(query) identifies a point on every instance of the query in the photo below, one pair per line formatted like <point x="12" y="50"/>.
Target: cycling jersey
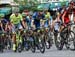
<point x="41" y="16"/>
<point x="28" y="20"/>
<point x="66" y="17"/>
<point x="14" y="19"/>
<point x="47" y="16"/>
<point x="4" y="21"/>
<point x="35" y="14"/>
<point x="66" y="20"/>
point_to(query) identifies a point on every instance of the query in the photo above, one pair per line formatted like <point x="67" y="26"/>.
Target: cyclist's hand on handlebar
<point x="64" y="24"/>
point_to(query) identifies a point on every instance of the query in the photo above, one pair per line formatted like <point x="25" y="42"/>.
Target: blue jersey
<point x="35" y="14"/>
<point x="4" y="21"/>
<point x="42" y="16"/>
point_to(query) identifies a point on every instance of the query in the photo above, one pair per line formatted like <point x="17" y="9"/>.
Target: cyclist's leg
<point x="19" y="26"/>
<point x="37" y="26"/>
<point x="46" y="23"/>
<point x="53" y="24"/>
<point x="13" y="37"/>
<point x="20" y="31"/>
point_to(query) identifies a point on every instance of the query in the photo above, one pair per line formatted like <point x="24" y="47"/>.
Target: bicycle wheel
<point x="19" y="47"/>
<point x="1" y="47"/>
<point x="48" y="43"/>
<point x="27" y="46"/>
<point x="33" y="48"/>
<point x="1" y="44"/>
<point x="41" y="45"/>
<point x="71" y="40"/>
<point x="58" y="41"/>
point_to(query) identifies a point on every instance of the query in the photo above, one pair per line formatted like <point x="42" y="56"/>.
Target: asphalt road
<point x="53" y="52"/>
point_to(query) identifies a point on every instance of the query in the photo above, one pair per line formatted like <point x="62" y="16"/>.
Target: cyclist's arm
<point x="74" y="18"/>
<point x="48" y="14"/>
<point x="24" y="24"/>
<point x="63" y="16"/>
<point x="11" y="18"/>
<point x="5" y="27"/>
<point x="32" y="23"/>
<point x="2" y="27"/>
<point x="50" y="21"/>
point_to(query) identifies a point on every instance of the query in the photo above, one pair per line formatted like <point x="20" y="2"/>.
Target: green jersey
<point x="47" y="16"/>
<point x="15" y="19"/>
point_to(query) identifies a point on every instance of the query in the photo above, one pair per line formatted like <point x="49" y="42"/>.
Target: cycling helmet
<point x="23" y="14"/>
<point x="72" y="3"/>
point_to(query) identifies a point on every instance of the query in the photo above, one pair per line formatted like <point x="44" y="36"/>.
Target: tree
<point x="25" y="2"/>
<point x="21" y="2"/>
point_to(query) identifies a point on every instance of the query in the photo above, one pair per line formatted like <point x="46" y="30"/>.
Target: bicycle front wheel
<point x="71" y="40"/>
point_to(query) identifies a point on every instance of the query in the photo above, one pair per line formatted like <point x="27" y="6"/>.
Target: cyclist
<point x="41" y="17"/>
<point x="56" y="21"/>
<point x="36" y="20"/>
<point x="28" y="20"/>
<point x="31" y="22"/>
<point x="3" y="23"/>
<point x="15" y="20"/>
<point x="1" y="26"/>
<point x="47" y="18"/>
<point x="66" y="16"/>
<point x="24" y="22"/>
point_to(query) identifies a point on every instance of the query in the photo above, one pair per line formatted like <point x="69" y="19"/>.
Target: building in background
<point x="7" y="0"/>
<point x="43" y="1"/>
<point x="40" y="1"/>
<point x="13" y="5"/>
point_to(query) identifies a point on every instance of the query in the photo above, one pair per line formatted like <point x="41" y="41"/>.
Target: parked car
<point x="5" y="9"/>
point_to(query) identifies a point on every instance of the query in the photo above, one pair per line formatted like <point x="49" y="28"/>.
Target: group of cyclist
<point x="38" y="19"/>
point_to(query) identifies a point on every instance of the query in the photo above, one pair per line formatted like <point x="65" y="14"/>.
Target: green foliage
<point x="24" y="4"/>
